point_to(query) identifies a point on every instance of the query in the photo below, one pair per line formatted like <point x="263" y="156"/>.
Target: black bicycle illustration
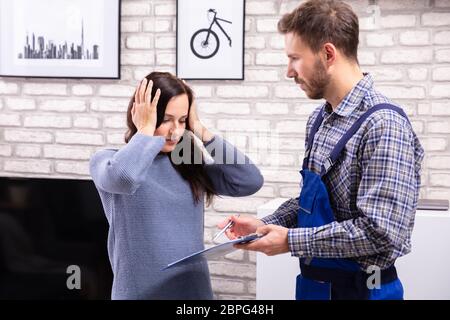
<point x="205" y="42"/>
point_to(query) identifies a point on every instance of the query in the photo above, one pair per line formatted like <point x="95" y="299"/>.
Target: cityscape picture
<point x="36" y="47"/>
<point x="73" y="39"/>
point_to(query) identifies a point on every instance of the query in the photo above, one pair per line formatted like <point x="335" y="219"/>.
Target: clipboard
<point x="215" y="251"/>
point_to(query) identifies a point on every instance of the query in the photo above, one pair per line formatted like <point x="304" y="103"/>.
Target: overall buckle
<point x="327" y="164"/>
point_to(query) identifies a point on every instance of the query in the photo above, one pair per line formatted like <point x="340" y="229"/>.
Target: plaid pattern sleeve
<point x="386" y="199"/>
<point x="285" y="215"/>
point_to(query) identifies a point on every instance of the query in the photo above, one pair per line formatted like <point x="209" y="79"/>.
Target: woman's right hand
<point x="144" y="111"/>
<point x="242" y="226"/>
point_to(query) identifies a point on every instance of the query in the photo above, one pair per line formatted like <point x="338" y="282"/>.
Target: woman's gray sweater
<point x="153" y="218"/>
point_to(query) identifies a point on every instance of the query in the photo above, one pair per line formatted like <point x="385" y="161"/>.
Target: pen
<point x="227" y="226"/>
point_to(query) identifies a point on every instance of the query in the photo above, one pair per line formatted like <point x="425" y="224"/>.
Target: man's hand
<point x="275" y="240"/>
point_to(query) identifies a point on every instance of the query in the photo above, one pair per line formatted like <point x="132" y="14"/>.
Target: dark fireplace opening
<point x="53" y="235"/>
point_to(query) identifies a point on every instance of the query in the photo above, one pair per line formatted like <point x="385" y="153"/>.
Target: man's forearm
<point x="285" y="215"/>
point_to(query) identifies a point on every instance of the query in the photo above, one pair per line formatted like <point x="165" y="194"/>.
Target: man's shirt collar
<point x="354" y="98"/>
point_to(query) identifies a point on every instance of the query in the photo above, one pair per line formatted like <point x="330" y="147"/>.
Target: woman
<point x="155" y="204"/>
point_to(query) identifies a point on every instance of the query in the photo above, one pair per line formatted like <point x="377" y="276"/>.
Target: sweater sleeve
<point x="233" y="173"/>
<point x="122" y="171"/>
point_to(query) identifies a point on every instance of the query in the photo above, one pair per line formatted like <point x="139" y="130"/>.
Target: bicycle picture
<point x="205" y="42"/>
<point x="210" y="39"/>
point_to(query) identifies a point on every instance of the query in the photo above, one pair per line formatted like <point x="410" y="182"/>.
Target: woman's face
<point x="174" y="122"/>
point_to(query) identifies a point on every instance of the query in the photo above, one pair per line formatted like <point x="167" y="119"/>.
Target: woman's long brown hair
<point x="194" y="173"/>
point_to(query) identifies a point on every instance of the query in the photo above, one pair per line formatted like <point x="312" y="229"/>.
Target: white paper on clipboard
<point x="215" y="251"/>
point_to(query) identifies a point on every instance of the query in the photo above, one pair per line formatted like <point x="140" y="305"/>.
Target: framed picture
<point x="60" y="38"/>
<point x="210" y="39"/>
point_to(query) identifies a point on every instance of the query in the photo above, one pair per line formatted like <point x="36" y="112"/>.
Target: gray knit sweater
<point x="153" y="218"/>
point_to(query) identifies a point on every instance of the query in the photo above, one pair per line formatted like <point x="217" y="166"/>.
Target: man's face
<point x="305" y="67"/>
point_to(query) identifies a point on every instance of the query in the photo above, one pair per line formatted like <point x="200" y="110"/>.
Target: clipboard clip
<point x="249" y="238"/>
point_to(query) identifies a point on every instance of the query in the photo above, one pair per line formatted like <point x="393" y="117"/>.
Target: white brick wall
<point x="50" y="127"/>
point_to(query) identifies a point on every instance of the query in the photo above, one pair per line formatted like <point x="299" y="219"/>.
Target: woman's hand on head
<point x="194" y="121"/>
<point x="144" y="111"/>
<point x="196" y="125"/>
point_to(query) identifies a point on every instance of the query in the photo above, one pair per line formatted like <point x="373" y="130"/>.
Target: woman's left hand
<point x="194" y="121"/>
<point x="196" y="125"/>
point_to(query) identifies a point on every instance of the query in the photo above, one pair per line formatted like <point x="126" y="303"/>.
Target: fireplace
<point x="53" y="235"/>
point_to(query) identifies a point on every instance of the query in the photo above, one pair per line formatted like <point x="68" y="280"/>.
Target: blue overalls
<point x="333" y="278"/>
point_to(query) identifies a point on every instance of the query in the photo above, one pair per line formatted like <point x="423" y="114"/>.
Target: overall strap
<point x="336" y="152"/>
<point x="312" y="133"/>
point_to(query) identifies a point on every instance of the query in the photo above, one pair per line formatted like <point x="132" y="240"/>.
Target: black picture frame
<point x="71" y="39"/>
<point x="223" y="22"/>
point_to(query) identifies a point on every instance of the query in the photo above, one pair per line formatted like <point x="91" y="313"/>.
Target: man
<point x="361" y="173"/>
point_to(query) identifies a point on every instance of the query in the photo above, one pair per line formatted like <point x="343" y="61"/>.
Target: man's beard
<point x="316" y="86"/>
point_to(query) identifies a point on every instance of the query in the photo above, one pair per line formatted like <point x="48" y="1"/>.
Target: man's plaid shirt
<point x="373" y="187"/>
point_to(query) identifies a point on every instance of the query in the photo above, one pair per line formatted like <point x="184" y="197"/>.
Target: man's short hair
<point x="320" y="21"/>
